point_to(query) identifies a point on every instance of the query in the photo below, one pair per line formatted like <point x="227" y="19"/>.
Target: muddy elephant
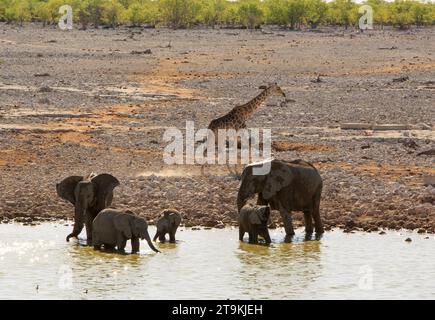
<point x="287" y="186"/>
<point x="253" y="219"/>
<point x="112" y="228"/>
<point x="89" y="195"/>
<point x="167" y="223"/>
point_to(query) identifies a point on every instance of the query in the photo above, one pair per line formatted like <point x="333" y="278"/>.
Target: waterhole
<point x="37" y="263"/>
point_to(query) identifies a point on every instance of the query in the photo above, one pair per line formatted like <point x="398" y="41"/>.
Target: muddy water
<point x="37" y="263"/>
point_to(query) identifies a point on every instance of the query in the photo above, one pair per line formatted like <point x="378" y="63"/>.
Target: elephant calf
<point x="168" y="223"/>
<point x="112" y="228"/>
<point x="253" y="219"/>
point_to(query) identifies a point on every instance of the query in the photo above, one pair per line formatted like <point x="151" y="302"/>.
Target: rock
<point x="425" y="126"/>
<point x="356" y="126"/>
<point x="350" y="225"/>
<point x="317" y="80"/>
<point x="382" y="232"/>
<point x="401" y="79"/>
<point x="408" y="239"/>
<point x="45" y="89"/>
<point x="147" y="51"/>
<point x="410" y="144"/>
<point x="45" y="74"/>
<point x="384" y="127"/>
<point x="220" y="225"/>
<point x="430" y="152"/>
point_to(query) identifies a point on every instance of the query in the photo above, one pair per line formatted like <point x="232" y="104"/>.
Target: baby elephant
<point x="112" y="228"/>
<point x="253" y="219"/>
<point x="168" y="223"/>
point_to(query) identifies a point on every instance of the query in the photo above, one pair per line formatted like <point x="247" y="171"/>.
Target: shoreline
<point x="68" y="222"/>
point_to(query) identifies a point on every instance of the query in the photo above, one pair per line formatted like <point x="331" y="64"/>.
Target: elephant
<point x="89" y="195"/>
<point x="112" y="228"/>
<point x="253" y="219"/>
<point x="167" y="223"/>
<point x="288" y="185"/>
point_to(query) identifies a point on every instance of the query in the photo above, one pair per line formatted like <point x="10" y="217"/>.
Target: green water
<point x="37" y="263"/>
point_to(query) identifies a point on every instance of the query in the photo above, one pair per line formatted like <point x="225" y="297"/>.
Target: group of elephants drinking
<point x="288" y="186"/>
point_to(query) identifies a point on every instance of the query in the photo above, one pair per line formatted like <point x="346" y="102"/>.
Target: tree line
<point x="294" y="14"/>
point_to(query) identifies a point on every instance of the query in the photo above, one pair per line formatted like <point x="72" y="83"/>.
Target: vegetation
<point x="294" y="14"/>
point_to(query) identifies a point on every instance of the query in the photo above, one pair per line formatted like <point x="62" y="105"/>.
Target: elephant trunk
<point x="241" y="200"/>
<point x="150" y="243"/>
<point x="80" y="212"/>
<point x="156" y="236"/>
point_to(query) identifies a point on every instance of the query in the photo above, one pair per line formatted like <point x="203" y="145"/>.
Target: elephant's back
<point x="104" y="219"/>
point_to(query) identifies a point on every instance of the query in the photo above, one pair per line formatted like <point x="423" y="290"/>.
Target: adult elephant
<point x="89" y="195"/>
<point x="287" y="186"/>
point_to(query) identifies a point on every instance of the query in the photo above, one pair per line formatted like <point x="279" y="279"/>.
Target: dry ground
<point x="81" y="101"/>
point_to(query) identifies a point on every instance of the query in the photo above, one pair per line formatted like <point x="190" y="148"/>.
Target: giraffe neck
<point x="250" y="107"/>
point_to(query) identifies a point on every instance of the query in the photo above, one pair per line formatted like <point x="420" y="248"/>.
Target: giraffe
<point x="237" y="117"/>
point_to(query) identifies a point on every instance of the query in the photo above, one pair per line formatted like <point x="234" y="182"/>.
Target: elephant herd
<point x="288" y="186"/>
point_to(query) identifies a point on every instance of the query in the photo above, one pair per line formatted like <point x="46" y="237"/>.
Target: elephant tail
<point x="150" y="243"/>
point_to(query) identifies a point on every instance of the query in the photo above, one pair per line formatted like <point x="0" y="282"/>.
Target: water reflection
<point x="36" y="262"/>
<point x="280" y="266"/>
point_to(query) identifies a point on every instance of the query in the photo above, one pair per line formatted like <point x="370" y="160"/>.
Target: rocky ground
<point x="75" y="102"/>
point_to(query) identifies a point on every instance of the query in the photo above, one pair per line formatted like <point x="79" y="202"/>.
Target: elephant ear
<point x="254" y="217"/>
<point x="104" y="184"/>
<point x="122" y="223"/>
<point x="65" y="188"/>
<point x="279" y="177"/>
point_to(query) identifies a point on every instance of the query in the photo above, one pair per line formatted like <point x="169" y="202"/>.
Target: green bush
<point x="179" y="13"/>
<point x="250" y="13"/>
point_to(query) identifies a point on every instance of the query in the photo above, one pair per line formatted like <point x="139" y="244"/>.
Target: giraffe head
<point x="273" y="89"/>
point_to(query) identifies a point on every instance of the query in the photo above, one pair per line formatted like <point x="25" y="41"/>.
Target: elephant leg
<point x="316" y="214"/>
<point x="308" y="222"/>
<point x="88" y="223"/>
<point x="288" y="225"/>
<point x="241" y="233"/>
<point x="109" y="247"/>
<point x="250" y="237"/>
<point x="135" y="245"/>
<point x="172" y="237"/>
<point x="121" y="242"/>
<point x="162" y="237"/>
<point x="253" y="237"/>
